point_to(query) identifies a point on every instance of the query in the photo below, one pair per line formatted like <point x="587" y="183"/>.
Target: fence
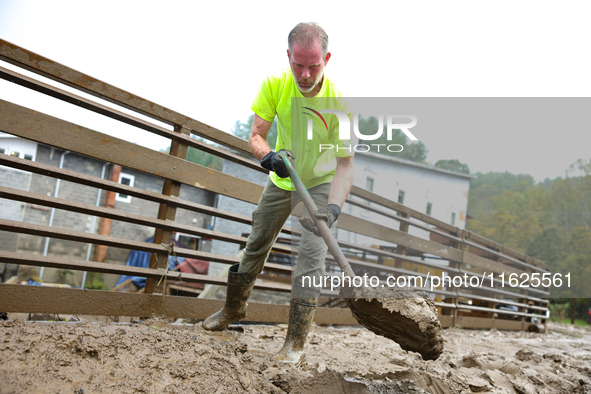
<point x="466" y="252"/>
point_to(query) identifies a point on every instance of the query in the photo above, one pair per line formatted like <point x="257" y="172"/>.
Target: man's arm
<point x="342" y="182"/>
<point x="259" y="147"/>
<point x="257" y="141"/>
<point x="339" y="190"/>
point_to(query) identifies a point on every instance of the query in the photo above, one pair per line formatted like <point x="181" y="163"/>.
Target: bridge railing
<point x="461" y="251"/>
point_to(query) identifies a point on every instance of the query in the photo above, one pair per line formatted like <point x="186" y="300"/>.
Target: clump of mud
<point x="405" y="316"/>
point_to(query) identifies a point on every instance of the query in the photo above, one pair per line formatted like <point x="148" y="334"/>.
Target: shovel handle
<point x="331" y="242"/>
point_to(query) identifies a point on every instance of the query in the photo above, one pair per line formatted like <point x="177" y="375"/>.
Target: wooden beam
<point x="40" y="299"/>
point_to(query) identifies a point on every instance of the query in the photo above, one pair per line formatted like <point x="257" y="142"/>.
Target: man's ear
<point x="326" y="58"/>
<point x="288" y="53"/>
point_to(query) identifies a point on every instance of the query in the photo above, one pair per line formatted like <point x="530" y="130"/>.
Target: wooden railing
<point x="464" y="251"/>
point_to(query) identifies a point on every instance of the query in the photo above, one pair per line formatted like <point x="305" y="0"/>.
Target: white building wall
<point x="447" y="192"/>
<point x="19" y="147"/>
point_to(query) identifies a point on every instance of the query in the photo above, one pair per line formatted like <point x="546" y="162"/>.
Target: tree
<point x="453" y="165"/>
<point x="547" y="246"/>
<point x="203" y="158"/>
<point x="582" y="165"/>
<point x="200" y="157"/>
<point x="577" y="263"/>
<point x="413" y="151"/>
<point x="242" y="130"/>
<point x="485" y="187"/>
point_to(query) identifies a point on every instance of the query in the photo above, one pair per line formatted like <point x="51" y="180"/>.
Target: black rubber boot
<point x="301" y="314"/>
<point x="238" y="290"/>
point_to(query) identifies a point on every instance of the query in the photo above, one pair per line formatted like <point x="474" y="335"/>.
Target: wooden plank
<point x="52" y="131"/>
<point x="365" y="227"/>
<point x="385" y="253"/>
<point x="138" y="219"/>
<point x="464" y="234"/>
<point x="90" y="105"/>
<point x="48" y="68"/>
<point x="39" y="299"/>
<point x="403" y="219"/>
<point x="502" y="256"/>
<point x="480" y="323"/>
<point x="71" y="176"/>
<point x="446" y="321"/>
<point x="93" y="210"/>
<point x="53" y="232"/>
<point x="496" y="300"/>
<point x="442" y="236"/>
<point x="167" y="213"/>
<point x="116" y="269"/>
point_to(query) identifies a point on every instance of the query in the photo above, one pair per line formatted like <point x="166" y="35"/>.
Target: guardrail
<point x="465" y="251"/>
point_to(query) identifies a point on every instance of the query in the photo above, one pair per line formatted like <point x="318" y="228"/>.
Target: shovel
<point x="404" y="316"/>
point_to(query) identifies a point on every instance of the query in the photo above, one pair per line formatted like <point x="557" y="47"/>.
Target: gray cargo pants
<point x="268" y="218"/>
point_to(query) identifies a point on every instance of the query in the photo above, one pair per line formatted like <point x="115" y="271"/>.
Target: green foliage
<point x="63" y="275"/>
<point x="242" y="130"/>
<point x="94" y="280"/>
<point x="550" y="221"/>
<point x="203" y="158"/>
<point x="582" y="165"/>
<point x="559" y="312"/>
<point x="453" y="165"/>
<point x="582" y="306"/>
<point x="578" y="322"/>
<point x="415" y="151"/>
<point x="200" y="157"/>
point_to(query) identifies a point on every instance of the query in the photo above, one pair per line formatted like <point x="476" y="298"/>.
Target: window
<point x="453" y="219"/>
<point x="429" y="207"/>
<point x="19" y="148"/>
<point x="187" y="241"/>
<point x="128" y="180"/>
<point x="400" y="200"/>
<point x="369" y="187"/>
<point x="369" y="184"/>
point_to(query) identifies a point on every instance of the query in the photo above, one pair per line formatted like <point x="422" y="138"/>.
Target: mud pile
<point x="155" y="357"/>
<point x="405" y="316"/>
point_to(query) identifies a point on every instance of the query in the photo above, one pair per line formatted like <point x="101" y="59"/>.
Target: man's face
<point x="307" y="66"/>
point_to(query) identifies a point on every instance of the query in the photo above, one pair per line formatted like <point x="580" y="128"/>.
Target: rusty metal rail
<point x="465" y="252"/>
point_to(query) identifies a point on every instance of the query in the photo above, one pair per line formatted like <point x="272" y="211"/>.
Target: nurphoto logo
<point x="345" y="130"/>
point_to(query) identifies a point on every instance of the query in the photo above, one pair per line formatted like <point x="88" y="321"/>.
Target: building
<point x="439" y="193"/>
<point x="47" y="186"/>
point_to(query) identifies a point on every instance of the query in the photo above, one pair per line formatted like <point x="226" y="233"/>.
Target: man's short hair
<point x="306" y="33"/>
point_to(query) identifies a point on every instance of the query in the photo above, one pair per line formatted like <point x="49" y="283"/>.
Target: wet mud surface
<point x="155" y="357"/>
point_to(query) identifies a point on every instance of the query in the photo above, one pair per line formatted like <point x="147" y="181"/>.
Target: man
<point x="329" y="186"/>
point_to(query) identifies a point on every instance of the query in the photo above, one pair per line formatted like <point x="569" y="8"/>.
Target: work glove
<point x="273" y="162"/>
<point x="329" y="214"/>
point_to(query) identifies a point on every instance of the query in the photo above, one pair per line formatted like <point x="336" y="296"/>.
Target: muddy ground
<point x="155" y="357"/>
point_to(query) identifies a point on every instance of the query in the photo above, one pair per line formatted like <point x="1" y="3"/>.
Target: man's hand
<point x="329" y="214"/>
<point x="273" y="162"/>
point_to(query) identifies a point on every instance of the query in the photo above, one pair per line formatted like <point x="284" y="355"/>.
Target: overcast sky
<point x="207" y="60"/>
